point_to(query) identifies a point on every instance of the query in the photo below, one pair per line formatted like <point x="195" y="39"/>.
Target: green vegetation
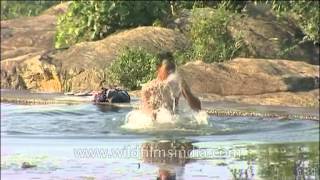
<point x="304" y="13"/>
<point x="14" y="9"/>
<point x="93" y="20"/>
<point x="209" y="36"/>
<point x="276" y="164"/>
<point x="280" y="161"/>
<point x="232" y="5"/>
<point x="133" y="67"/>
<point x="210" y="39"/>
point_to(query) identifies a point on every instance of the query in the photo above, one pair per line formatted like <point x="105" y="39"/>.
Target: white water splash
<point x="167" y="116"/>
<point x="185" y="117"/>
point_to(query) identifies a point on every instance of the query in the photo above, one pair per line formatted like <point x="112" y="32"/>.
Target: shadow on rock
<point x="296" y="83"/>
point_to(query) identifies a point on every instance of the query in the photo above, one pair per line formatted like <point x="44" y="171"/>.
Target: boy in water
<point x="166" y="89"/>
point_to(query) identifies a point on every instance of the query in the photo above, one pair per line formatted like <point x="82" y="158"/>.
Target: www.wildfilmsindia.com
<point x="138" y="152"/>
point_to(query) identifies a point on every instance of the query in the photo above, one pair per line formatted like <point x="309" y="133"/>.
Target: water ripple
<point x="90" y="120"/>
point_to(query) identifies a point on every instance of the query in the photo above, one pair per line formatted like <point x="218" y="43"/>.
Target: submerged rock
<point x="27" y="165"/>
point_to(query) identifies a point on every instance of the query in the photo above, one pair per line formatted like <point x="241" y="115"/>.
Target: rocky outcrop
<point x="28" y="61"/>
<point x="83" y="66"/>
<point x="263" y="34"/>
<point x="293" y="99"/>
<point x="28" y="72"/>
<point x="254" y="81"/>
<point x="29" y="34"/>
<point x="244" y="76"/>
<point x="266" y="36"/>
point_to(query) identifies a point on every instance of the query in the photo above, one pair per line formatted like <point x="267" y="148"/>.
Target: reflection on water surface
<point x="228" y="148"/>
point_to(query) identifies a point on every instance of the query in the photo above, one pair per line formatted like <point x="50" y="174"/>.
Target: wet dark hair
<point x="166" y="57"/>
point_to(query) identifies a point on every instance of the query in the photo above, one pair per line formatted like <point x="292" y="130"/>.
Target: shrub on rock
<point x="132" y="68"/>
<point x="94" y="20"/>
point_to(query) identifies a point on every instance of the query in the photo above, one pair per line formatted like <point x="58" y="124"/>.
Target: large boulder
<point x="243" y="76"/>
<point x="83" y="66"/>
<point x="264" y="35"/>
<point x="30" y="34"/>
<point x="308" y="99"/>
<point x="28" y="72"/>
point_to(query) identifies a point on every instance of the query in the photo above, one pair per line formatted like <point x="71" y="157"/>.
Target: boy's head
<point x="166" y="65"/>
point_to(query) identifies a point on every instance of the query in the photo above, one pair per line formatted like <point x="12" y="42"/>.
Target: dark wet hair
<point x="166" y="57"/>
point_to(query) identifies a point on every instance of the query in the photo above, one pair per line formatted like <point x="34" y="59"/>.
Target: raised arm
<point x="145" y="98"/>
<point x="193" y="101"/>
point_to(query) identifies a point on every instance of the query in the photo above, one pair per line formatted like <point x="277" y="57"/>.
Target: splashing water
<point x="164" y="97"/>
<point x="139" y="120"/>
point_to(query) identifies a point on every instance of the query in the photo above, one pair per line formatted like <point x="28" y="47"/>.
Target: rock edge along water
<point x="42" y="98"/>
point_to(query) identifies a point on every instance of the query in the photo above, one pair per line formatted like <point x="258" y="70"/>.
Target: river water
<point x="86" y="141"/>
